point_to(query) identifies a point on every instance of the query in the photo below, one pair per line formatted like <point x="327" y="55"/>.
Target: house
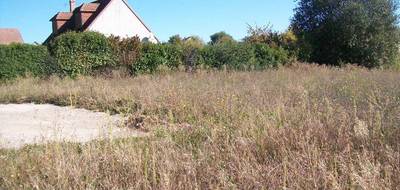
<point x="109" y="17"/>
<point x="10" y="35"/>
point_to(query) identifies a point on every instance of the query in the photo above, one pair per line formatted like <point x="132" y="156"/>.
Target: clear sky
<point x="164" y="17"/>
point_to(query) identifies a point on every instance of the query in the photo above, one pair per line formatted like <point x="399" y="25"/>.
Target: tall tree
<point x="175" y="40"/>
<point x="364" y="32"/>
<point x="262" y="34"/>
<point x="221" y="37"/>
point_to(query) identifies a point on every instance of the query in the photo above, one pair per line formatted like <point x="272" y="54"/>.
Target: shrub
<point x="155" y="55"/>
<point x="151" y="57"/>
<point x="267" y="57"/>
<point x="278" y="40"/>
<point x="289" y="42"/>
<point x="24" y="59"/>
<point x="127" y="50"/>
<point x="174" y="56"/>
<point x="230" y="55"/>
<point x="81" y="53"/>
<point x="189" y="50"/>
<point x="191" y="57"/>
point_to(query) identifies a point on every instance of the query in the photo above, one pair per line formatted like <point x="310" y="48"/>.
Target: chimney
<point x="71" y="5"/>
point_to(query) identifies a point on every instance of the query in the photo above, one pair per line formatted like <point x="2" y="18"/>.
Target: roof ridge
<point x="9" y="29"/>
<point x="10" y="35"/>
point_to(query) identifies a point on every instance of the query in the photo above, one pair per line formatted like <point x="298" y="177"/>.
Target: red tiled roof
<point x="90" y="7"/>
<point x="8" y="36"/>
<point x="94" y="8"/>
<point x="62" y="16"/>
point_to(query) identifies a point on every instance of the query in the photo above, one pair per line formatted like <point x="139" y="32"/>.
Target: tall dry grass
<point x="294" y="128"/>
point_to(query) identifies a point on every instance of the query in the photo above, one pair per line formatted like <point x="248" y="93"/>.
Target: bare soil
<point x="23" y="124"/>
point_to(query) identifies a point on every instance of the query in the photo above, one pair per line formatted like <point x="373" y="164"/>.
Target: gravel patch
<point x="23" y="124"/>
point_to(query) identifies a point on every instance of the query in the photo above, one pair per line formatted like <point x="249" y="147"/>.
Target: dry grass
<point x="296" y="128"/>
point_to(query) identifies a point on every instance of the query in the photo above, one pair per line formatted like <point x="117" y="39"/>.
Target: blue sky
<point x="164" y="17"/>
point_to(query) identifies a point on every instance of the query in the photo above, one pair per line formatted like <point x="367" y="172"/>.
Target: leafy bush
<point x="230" y="55"/>
<point x="81" y="53"/>
<point x="191" y="57"/>
<point x="126" y="50"/>
<point x="277" y="40"/>
<point x="23" y="59"/>
<point x="174" y="56"/>
<point x="289" y="42"/>
<point x="155" y="55"/>
<point x="267" y="57"/>
<point x="151" y="56"/>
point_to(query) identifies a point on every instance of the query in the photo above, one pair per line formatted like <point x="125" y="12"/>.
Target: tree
<point x="364" y="32"/>
<point x="175" y="40"/>
<point x="193" y="41"/>
<point x="266" y="36"/>
<point x="262" y="35"/>
<point x="221" y="37"/>
<point x="289" y="42"/>
<point x="191" y="48"/>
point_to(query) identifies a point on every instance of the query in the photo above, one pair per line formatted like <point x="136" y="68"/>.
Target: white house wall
<point x="118" y="20"/>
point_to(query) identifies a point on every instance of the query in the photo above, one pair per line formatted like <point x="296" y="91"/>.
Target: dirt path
<point x="24" y="124"/>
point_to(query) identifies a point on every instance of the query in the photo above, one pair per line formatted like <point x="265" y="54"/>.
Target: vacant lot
<point x="303" y="127"/>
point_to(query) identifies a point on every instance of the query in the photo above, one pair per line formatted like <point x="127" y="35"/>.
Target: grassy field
<point x="304" y="127"/>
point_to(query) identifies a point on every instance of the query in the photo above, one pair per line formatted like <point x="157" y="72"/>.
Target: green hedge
<point x="155" y="55"/>
<point x="267" y="57"/>
<point x="174" y="56"/>
<point x="24" y="59"/>
<point x="233" y="56"/>
<point x="229" y="55"/>
<point x="81" y="53"/>
<point x="242" y="56"/>
<point x="125" y="50"/>
<point x="74" y="54"/>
